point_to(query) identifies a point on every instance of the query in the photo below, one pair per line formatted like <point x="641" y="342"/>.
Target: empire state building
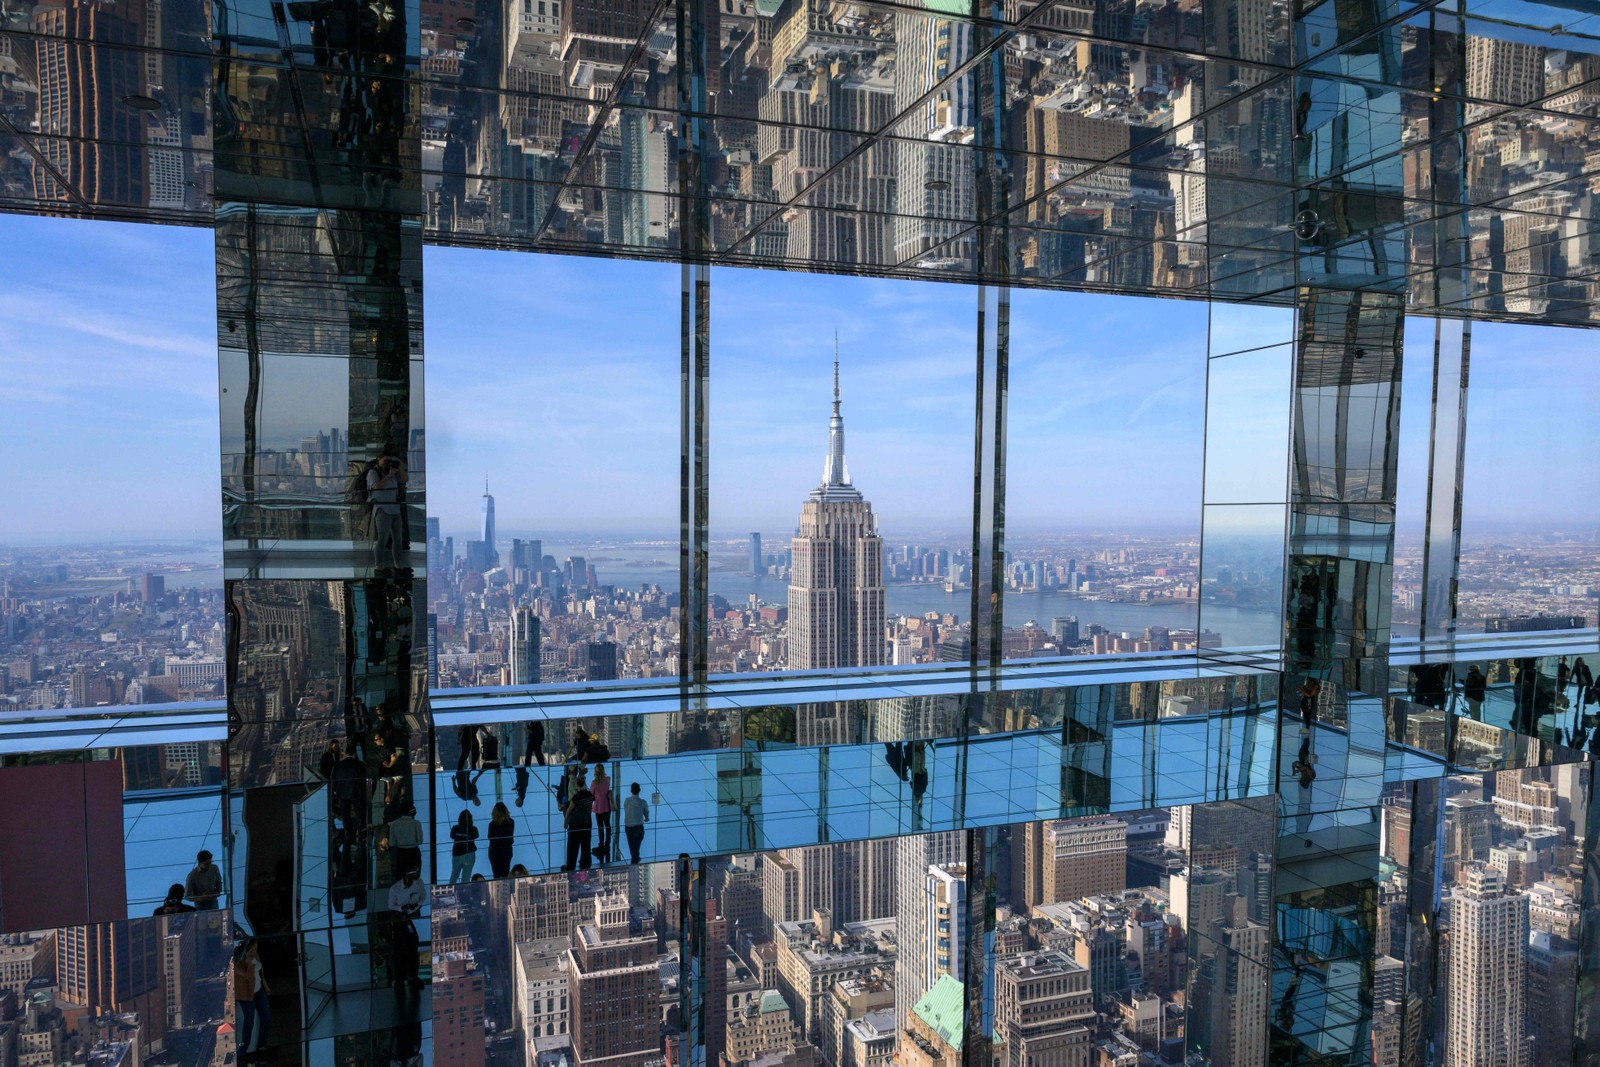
<point x="836" y="594"/>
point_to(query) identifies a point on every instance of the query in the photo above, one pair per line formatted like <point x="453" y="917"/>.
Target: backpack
<point x="578" y="814"/>
<point x="243" y="980"/>
<point x="598" y="752"/>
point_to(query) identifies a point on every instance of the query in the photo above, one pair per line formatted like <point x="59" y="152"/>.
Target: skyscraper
<point x="945" y="901"/>
<point x="458" y="998"/>
<point x="524" y="646"/>
<point x="486" y="532"/>
<point x="836" y="592"/>
<point x="1043" y="1008"/>
<point x="1083" y="858"/>
<point x="602" y="659"/>
<point x="757" y="567"/>
<point x="911" y="965"/>
<point x="1486" y="1023"/>
<point x="614" y="988"/>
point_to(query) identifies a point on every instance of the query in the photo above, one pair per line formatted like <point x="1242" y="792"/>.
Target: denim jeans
<point x="253" y="1015"/>
<point x="461" y="867"/>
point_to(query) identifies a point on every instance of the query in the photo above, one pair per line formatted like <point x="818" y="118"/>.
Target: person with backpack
<point x="577" y="817"/>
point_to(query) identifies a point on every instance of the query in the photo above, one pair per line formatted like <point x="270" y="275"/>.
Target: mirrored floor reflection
<point x="756" y="798"/>
<point x="163" y="835"/>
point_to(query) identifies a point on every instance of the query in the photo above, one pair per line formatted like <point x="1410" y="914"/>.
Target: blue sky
<point x="558" y="378"/>
<point x="108" y="370"/>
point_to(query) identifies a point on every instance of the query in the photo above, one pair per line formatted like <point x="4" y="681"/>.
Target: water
<point x="629" y="566"/>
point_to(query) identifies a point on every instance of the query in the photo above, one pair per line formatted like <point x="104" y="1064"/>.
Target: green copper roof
<point x="944" y="1008"/>
<point x="772" y="1000"/>
<point x="957" y="8"/>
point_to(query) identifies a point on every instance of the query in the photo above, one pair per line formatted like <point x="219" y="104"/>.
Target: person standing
<point x="502" y="832"/>
<point x="250" y="1002"/>
<point x="405" y="837"/>
<point x="602" y="812"/>
<point x="463" y="848"/>
<point x="578" y="820"/>
<point x="204" y="883"/>
<point x="635" y="813"/>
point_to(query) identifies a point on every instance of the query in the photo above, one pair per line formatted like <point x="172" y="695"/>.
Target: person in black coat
<point x="502" y="832"/>
<point x="578" y="818"/>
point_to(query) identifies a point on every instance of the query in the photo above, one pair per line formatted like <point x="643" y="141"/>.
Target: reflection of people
<point x="396" y="782"/>
<point x="1306" y="774"/>
<point x="386" y="480"/>
<point x="348" y="790"/>
<point x="250" y="1002"/>
<point x="535" y="733"/>
<point x="917" y="765"/>
<point x="174" y="904"/>
<point x="463" y="848"/>
<point x="1310" y="691"/>
<point x="1524" y="693"/>
<point x="635" y="813"/>
<point x="408" y="894"/>
<point x="405" y="837"/>
<point x="1583" y="683"/>
<point x="204" y="884"/>
<point x="330" y="759"/>
<point x="471" y="754"/>
<point x="577" y="818"/>
<point x="1474" y="687"/>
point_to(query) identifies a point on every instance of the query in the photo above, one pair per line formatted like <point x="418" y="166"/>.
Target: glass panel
<point x="1247" y="426"/>
<point x="111" y="560"/>
<point x="552" y="540"/>
<point x="1529" y="519"/>
<point x="1103" y="479"/>
<point x="865" y="558"/>
<point x="1241" y="576"/>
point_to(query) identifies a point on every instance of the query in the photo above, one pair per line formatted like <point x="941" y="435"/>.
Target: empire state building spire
<point x="835" y="472"/>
